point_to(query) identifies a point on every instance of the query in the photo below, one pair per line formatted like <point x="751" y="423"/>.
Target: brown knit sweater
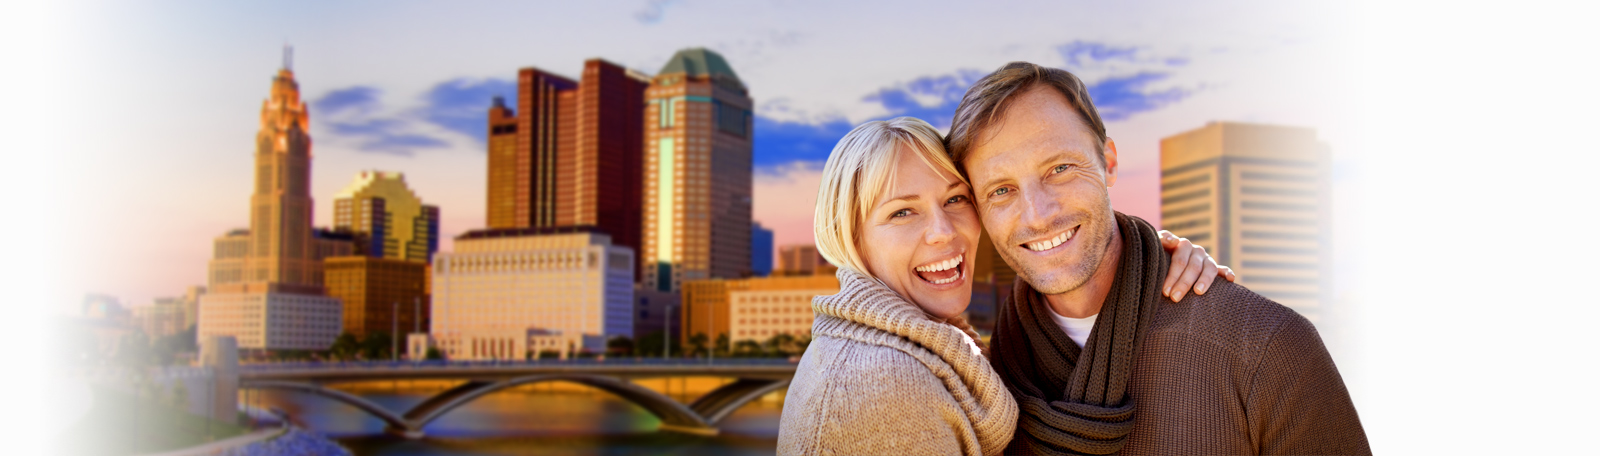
<point x="882" y="378"/>
<point x="1230" y="372"/>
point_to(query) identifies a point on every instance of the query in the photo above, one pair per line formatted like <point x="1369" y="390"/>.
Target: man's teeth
<point x="940" y="266"/>
<point x="1052" y="242"/>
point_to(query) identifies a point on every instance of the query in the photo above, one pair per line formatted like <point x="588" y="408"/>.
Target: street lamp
<point x="394" y="327"/>
<point x="666" y="328"/>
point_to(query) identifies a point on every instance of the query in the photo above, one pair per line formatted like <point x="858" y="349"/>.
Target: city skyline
<point x="363" y="111"/>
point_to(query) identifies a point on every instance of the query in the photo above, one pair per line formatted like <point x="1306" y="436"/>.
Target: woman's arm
<point x="1191" y="266"/>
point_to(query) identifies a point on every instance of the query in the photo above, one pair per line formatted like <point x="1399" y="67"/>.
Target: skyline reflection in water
<point x="547" y="418"/>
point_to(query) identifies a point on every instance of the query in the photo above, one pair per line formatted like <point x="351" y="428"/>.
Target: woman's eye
<point x="956" y="199"/>
<point x="900" y="213"/>
<point x="1059" y="169"/>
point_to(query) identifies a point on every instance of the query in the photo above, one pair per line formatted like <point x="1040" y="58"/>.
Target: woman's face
<point x="920" y="236"/>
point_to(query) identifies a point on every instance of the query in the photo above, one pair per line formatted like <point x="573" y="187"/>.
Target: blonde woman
<point x="892" y="367"/>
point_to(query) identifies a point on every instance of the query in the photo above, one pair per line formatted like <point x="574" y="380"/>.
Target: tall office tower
<point x="697" y="172"/>
<point x="503" y="183"/>
<point x="1256" y="195"/>
<point x="503" y="293"/>
<point x="389" y="220"/>
<point x="760" y="250"/>
<point x="265" y="283"/>
<point x="570" y="155"/>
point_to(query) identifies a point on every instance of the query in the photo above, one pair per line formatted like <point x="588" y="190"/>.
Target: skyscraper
<point x="1256" y="195"/>
<point x="389" y="220"/>
<point x="570" y="155"/>
<point x="697" y="172"/>
<point x="760" y="250"/>
<point x="266" y="282"/>
<point x="503" y="169"/>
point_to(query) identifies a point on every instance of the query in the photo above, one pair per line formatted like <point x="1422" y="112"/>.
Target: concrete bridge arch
<point x="700" y="417"/>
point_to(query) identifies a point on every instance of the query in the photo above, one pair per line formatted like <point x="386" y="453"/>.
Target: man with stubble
<point x="1096" y="364"/>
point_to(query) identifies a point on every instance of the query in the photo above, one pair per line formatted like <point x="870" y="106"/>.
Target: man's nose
<point x="1038" y="209"/>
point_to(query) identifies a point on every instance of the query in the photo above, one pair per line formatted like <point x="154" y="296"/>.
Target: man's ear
<point x="1110" y="158"/>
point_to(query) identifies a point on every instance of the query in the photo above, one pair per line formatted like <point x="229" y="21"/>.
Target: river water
<point x="549" y="418"/>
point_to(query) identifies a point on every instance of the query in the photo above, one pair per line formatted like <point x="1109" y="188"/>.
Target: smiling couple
<point x="1088" y="356"/>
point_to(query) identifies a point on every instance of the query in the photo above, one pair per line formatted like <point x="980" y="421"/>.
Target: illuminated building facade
<point x="379" y="294"/>
<point x="752" y="309"/>
<point x="697" y="174"/>
<point x="1256" y="196"/>
<point x="388" y="219"/>
<point x="570" y="154"/>
<point x="567" y="282"/>
<point x="265" y="283"/>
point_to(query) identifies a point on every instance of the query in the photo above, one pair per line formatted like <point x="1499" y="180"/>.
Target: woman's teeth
<point x="942" y="272"/>
<point x="1052" y="242"/>
<point x="940" y="266"/>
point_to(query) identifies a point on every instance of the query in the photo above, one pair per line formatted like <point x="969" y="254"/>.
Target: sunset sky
<point x="177" y="87"/>
<point x="1462" y="136"/>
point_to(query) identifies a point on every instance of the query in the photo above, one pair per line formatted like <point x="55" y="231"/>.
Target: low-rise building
<point x="271" y="320"/>
<point x="752" y="309"/>
<point x="569" y="283"/>
<point x="379" y="294"/>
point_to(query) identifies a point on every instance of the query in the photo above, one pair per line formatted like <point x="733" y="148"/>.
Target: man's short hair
<point x="990" y="96"/>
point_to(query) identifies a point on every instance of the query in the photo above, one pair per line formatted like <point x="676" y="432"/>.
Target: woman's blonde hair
<point x="859" y="170"/>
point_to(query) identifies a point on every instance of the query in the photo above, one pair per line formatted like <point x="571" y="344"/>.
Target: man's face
<point x="1042" y="191"/>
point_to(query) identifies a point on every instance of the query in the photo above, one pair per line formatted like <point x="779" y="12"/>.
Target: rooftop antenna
<point x="288" y="57"/>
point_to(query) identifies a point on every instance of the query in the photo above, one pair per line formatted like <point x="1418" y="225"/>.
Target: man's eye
<point x="956" y="199"/>
<point x="1059" y="169"/>
<point x="1000" y="191"/>
<point x="900" y="213"/>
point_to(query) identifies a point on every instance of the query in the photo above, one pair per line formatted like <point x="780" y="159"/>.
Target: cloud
<point x="1080" y="54"/>
<point x="1120" y="97"/>
<point x="355" y="114"/>
<point x="361" y="99"/>
<point x="779" y="142"/>
<point x="653" y="12"/>
<point x="1137" y="82"/>
<point x="462" y="105"/>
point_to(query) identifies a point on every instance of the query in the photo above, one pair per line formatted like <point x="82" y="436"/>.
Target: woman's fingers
<point x="1181" y="254"/>
<point x="1169" y="241"/>
<point x="1208" y="274"/>
<point x="1191" y="273"/>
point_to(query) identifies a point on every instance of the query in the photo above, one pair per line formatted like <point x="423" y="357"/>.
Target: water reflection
<point x="547" y="418"/>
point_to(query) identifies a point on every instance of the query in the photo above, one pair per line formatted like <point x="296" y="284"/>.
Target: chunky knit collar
<point x="866" y="311"/>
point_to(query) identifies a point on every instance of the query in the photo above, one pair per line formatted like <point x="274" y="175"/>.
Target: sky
<point x="1461" y="133"/>
<point x="406" y="88"/>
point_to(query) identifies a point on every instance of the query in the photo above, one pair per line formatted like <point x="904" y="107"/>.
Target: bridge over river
<point x="755" y="378"/>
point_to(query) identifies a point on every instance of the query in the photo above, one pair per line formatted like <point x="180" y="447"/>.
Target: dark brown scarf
<point x="1075" y="401"/>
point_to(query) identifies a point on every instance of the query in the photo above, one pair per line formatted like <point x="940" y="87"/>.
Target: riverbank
<point x="120" y="422"/>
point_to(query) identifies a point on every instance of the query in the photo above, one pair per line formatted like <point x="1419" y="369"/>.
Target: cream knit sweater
<point x="880" y="377"/>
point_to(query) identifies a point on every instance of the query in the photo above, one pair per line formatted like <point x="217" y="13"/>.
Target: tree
<point x="747" y="349"/>
<point x="722" y="345"/>
<point x="780" y="345"/>
<point x="697" y="343"/>
<point x="376" y="345"/>
<point x="801" y="343"/>
<point x="433" y="354"/>
<point x="619" y="346"/>
<point x="651" y="344"/>
<point x="345" y="347"/>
